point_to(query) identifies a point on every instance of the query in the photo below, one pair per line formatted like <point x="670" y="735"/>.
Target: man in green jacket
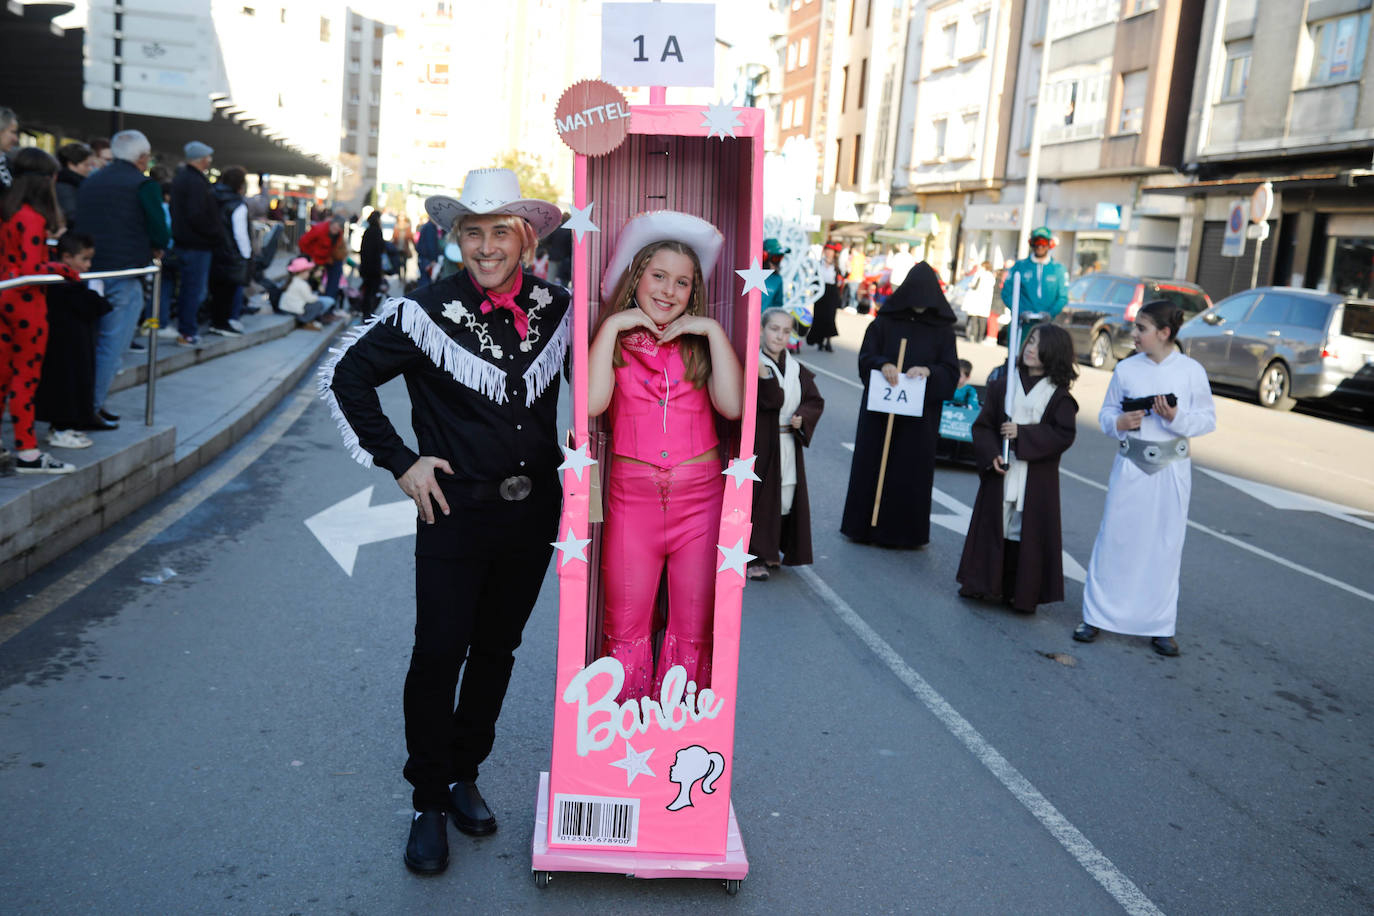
<point x="1044" y="283"/>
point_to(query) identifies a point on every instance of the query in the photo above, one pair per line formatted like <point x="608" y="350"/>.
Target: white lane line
<point x="1122" y="889"/>
<point x="85" y="575"/>
<point x="1291" y="501"/>
<point x="1236" y="542"/>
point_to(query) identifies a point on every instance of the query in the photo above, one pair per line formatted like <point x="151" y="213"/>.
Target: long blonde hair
<point x="696" y="355"/>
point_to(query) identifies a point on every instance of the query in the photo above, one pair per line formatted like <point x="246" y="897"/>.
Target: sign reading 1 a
<point x="658" y="44"/>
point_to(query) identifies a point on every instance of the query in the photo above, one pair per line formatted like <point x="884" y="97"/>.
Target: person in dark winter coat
<point x="77" y="162"/>
<point x="823" y="312"/>
<point x="370" y="261"/>
<point x="1014" y="547"/>
<point x="229" y="265"/>
<point x="198" y="233"/>
<point x="919" y="314"/>
<point x="789" y="407"/>
<point x="65" y="396"/>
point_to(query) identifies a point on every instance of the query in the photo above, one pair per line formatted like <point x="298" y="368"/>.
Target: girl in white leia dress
<point x="1132" y="582"/>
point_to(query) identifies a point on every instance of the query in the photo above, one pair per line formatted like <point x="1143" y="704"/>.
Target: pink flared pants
<point x="657" y="516"/>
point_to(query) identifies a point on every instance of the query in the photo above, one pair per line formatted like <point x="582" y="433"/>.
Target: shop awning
<point x="41" y="79"/>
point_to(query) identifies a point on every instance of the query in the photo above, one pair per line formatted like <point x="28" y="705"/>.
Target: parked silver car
<point x="1285" y="343"/>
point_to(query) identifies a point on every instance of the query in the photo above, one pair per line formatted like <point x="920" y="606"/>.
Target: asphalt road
<point x="229" y="739"/>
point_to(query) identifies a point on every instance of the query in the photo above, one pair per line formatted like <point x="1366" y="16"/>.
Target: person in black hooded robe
<point x="919" y="314"/>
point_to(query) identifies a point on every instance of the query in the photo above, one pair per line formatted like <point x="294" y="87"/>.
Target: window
<point x="863" y="82"/>
<point x="1089" y="289"/>
<point x="283" y="14"/>
<point x="1029" y="137"/>
<point x="949" y="36"/>
<point x="853" y="8"/>
<point x="1236" y="74"/>
<point x="1141" y="6"/>
<point x="971" y="134"/>
<point x="839" y="159"/>
<point x="980" y="31"/>
<point x="1122" y="292"/>
<point x="1234" y="309"/>
<point x="1132" y="101"/>
<point x="799" y="112"/>
<point x="324" y="28"/>
<point x="249" y="11"/>
<point x="786" y="115"/>
<point x="939" y="135"/>
<point x="804" y="54"/>
<point x="792" y="56"/>
<point x="844" y="86"/>
<point x="1338" y="47"/>
<point x="858" y="154"/>
<point x="1272" y="310"/>
<point x="868" y="17"/>
<point x="1306" y="312"/>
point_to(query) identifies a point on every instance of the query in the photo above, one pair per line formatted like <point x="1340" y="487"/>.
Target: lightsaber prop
<point x="1013" y="338"/>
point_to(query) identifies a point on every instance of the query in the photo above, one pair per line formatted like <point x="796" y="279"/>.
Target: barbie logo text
<point x="600" y="720"/>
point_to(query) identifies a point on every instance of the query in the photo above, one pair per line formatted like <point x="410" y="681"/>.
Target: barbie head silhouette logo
<point x="692" y="764"/>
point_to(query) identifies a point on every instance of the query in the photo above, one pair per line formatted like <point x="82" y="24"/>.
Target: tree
<point x="532" y="172"/>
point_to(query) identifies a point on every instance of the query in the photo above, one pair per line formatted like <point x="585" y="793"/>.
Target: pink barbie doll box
<point x="642" y="786"/>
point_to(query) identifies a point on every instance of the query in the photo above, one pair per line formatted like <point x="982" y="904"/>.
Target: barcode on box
<point x="595" y="820"/>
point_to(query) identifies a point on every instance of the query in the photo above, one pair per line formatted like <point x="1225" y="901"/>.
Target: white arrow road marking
<point x="1280" y="498"/>
<point x="350" y="523"/>
<point x="958" y="518"/>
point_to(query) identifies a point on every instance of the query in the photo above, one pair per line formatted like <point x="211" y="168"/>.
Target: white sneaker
<point x="237" y="325"/>
<point x="168" y="333"/>
<point x="43" y="464"/>
<point x="224" y="332"/>
<point x="69" y="438"/>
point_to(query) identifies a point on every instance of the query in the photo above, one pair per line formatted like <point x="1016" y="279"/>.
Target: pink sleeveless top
<point x="657" y="416"/>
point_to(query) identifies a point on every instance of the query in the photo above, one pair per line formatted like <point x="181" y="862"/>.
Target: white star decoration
<point x="741" y="469"/>
<point x="721" y="119"/>
<point x="581" y="221"/>
<point x="572" y="547"/>
<point x="754" y="278"/>
<point x="634" y="763"/>
<point x="734" y="557"/>
<point x="541" y="296"/>
<point x="576" y="460"/>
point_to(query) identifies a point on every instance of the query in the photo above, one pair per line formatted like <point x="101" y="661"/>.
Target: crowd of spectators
<point x="104" y="205"/>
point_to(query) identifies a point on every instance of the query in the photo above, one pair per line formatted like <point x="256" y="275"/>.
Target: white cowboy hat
<point x="661" y="226"/>
<point x="488" y="192"/>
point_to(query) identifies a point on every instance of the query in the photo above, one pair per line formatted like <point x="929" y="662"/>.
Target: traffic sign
<point x="152" y="57"/>
<point x="1261" y="202"/>
<point x="1233" y="243"/>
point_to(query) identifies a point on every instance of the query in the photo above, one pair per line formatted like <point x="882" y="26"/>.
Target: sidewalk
<point x="206" y="399"/>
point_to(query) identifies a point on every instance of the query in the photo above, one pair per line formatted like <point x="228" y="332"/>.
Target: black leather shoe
<point x="97" y="423"/>
<point x="106" y="415"/>
<point x="1164" y="645"/>
<point x="427" y="848"/>
<point x="470" y="813"/>
<point x="1085" y="632"/>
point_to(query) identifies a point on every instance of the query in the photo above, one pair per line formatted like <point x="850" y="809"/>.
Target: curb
<point x="43" y="518"/>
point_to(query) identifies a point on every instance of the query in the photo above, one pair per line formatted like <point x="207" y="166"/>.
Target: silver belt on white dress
<point x="1153" y="456"/>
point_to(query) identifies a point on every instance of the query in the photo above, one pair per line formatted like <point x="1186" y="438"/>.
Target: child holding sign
<point x="664" y="369"/>
<point x="913" y="335"/>
<point x="1014" y="546"/>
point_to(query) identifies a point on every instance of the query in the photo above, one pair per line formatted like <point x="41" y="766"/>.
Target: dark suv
<point x="1102" y="307"/>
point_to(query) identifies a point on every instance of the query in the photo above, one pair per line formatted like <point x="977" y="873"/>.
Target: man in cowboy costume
<point x="481" y="353"/>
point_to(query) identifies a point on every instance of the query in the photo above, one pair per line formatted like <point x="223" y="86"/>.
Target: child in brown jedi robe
<point x="1014" y="547"/>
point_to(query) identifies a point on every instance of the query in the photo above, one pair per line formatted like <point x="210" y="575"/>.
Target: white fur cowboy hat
<point x="489" y="192"/>
<point x="662" y="226"/>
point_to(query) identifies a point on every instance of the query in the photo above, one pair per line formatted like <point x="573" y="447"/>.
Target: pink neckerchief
<point x="507" y="301"/>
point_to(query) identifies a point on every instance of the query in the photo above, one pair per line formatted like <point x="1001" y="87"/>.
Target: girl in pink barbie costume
<point x="663" y="369"/>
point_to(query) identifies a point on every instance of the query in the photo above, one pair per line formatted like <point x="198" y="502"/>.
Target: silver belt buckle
<point x="514" y="489"/>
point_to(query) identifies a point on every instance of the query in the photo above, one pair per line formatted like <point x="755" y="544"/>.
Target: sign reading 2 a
<point x="658" y="44"/>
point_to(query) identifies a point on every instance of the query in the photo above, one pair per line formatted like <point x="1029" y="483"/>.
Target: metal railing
<point x="156" y="270"/>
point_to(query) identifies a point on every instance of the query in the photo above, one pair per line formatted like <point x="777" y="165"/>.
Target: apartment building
<point x="362" y="110"/>
<point x="953" y="134"/>
<point x="800" y="86"/>
<point x="1284" y="94"/>
<point x="1118" y="93"/>
<point x="855" y="123"/>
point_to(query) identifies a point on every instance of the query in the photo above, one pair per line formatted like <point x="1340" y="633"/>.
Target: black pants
<point x="470" y="606"/>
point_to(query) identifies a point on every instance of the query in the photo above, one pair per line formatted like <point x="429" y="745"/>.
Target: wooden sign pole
<point x="887" y="443"/>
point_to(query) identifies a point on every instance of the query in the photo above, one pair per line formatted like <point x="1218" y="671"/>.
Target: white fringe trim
<point x="466" y="369"/>
<point x="325" y="380"/>
<point x="549" y="363"/>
